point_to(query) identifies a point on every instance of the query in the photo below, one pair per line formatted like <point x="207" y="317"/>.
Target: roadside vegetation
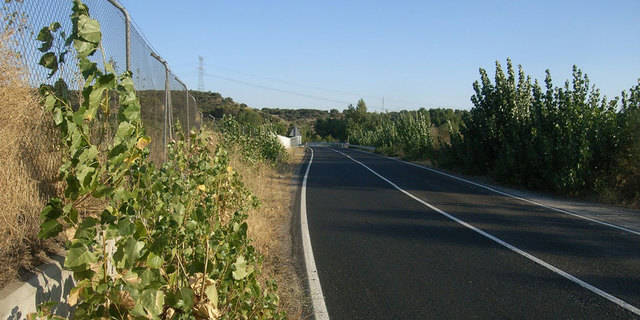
<point x="170" y="241"/>
<point x="568" y="140"/>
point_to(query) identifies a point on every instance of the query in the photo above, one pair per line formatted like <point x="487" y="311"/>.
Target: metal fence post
<point x="127" y="30"/>
<point x="167" y="105"/>
<point x="186" y="89"/>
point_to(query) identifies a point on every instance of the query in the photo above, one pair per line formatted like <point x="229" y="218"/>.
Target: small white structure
<point x="285" y="141"/>
<point x="293" y="140"/>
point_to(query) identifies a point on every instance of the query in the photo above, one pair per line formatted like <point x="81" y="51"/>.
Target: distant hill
<point x="297" y="115"/>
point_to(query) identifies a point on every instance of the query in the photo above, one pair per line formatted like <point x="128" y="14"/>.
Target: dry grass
<point x="270" y="226"/>
<point x="29" y="162"/>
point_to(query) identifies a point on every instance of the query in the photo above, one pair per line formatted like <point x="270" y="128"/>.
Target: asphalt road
<point x="381" y="254"/>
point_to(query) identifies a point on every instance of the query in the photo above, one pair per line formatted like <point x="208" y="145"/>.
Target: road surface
<point x="395" y="241"/>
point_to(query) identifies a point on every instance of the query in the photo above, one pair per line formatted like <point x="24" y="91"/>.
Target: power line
<point x="343" y="92"/>
<point x="300" y="94"/>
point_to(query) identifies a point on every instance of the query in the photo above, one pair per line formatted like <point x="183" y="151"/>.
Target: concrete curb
<point x="49" y="282"/>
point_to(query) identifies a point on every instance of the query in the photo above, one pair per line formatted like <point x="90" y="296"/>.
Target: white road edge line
<point x="521" y="252"/>
<point x="317" y="298"/>
<point x="567" y="212"/>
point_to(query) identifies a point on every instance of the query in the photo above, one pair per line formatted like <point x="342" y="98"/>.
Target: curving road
<point x="395" y="241"/>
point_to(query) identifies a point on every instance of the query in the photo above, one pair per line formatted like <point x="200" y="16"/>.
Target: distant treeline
<point x="412" y="134"/>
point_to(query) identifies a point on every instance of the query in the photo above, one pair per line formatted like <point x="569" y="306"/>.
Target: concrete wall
<point x="290" y="142"/>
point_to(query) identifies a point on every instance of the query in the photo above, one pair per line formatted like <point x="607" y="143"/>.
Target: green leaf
<point x="89" y="29"/>
<point x="241" y="269"/>
<point x="154" y="261"/>
<point x="73" y="188"/>
<point x="46" y="38"/>
<point x="52" y="210"/>
<point x="86" y="229"/>
<point x="132" y="250"/>
<point x="84" y="48"/>
<point x="101" y="191"/>
<point x="87" y="67"/>
<point x="49" y="61"/>
<point x="95" y="99"/>
<point x="49" y="102"/>
<point x="186" y="299"/>
<point x="89" y="155"/>
<point x="151" y="278"/>
<point x="78" y="256"/>
<point x="85" y="174"/>
<point x="125" y="227"/>
<point x="57" y="116"/>
<point x="49" y="228"/>
<point x="152" y="300"/>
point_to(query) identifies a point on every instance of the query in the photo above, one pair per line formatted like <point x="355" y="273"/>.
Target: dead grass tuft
<point x="29" y="160"/>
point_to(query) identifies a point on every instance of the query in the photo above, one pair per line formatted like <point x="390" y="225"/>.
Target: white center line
<point x="513" y="248"/>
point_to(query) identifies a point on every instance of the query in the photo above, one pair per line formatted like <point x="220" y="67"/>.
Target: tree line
<point x="569" y="139"/>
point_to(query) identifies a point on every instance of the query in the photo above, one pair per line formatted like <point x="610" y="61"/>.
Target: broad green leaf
<point x="186" y="299"/>
<point x="125" y="130"/>
<point x="49" y="61"/>
<point x="73" y="187"/>
<point x="89" y="155"/>
<point x="89" y="29"/>
<point x="46" y="38"/>
<point x="132" y="112"/>
<point x="95" y="99"/>
<point x="78" y="256"/>
<point x="132" y="250"/>
<point x="49" y="102"/>
<point x="49" y="228"/>
<point x="85" y="174"/>
<point x="154" y="261"/>
<point x="52" y="210"/>
<point x="125" y="227"/>
<point x="102" y="190"/>
<point x="153" y="301"/>
<point x="84" y="48"/>
<point x="86" y="229"/>
<point x="87" y="67"/>
<point x="241" y="270"/>
<point x="151" y="278"/>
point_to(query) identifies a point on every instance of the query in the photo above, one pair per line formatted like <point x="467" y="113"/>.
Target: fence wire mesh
<point x="164" y="99"/>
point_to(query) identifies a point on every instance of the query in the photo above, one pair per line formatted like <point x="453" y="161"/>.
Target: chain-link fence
<point x="165" y="100"/>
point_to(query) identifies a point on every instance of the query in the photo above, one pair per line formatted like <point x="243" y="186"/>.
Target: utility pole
<point x="383" y="109"/>
<point x="200" y="73"/>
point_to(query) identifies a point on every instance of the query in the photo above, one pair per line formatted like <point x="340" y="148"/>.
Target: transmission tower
<point x="200" y="73"/>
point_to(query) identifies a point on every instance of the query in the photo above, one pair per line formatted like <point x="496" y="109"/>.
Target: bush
<point x="566" y="139"/>
<point x="255" y="143"/>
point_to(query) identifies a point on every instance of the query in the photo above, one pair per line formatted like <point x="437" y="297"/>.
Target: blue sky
<point x="326" y="54"/>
